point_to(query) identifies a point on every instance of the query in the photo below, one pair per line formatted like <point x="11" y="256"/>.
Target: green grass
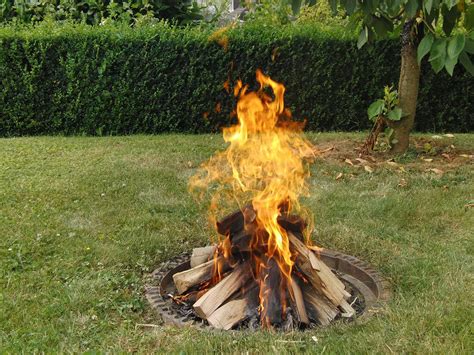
<point x="83" y="220"/>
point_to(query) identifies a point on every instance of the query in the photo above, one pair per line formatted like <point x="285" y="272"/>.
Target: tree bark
<point x="408" y="85"/>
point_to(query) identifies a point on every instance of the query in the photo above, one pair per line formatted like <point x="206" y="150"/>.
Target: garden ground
<point x="83" y="221"/>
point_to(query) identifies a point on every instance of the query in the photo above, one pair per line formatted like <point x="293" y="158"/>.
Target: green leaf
<point x="438" y="49"/>
<point x="450" y="64"/>
<point x="450" y="17"/>
<point x="363" y="37"/>
<point x="469" y="46"/>
<point x="393" y="7"/>
<point x="469" y="17"/>
<point x="450" y="3"/>
<point x="369" y="6"/>
<point x="349" y="5"/>
<point x="375" y="109"/>
<point x="424" y="47"/>
<point x="438" y="64"/>
<point x="466" y="62"/>
<point x="456" y="45"/>
<point x="382" y="26"/>
<point x="434" y="15"/>
<point x="395" y="114"/>
<point x="388" y="132"/>
<point x="411" y="7"/>
<point x="428" y="4"/>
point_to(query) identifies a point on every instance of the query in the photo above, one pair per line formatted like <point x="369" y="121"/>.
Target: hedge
<point x="77" y="79"/>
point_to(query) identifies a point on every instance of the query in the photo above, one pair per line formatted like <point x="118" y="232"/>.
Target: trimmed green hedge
<point x="75" y="79"/>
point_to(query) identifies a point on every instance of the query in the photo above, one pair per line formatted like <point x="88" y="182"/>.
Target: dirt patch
<point x="431" y="153"/>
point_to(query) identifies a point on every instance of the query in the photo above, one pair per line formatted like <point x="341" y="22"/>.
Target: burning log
<point x="270" y="292"/>
<point x="298" y="301"/>
<point x="237" y="221"/>
<point x="235" y="311"/>
<point x="240" y="242"/>
<point x="202" y="255"/>
<point x="292" y="223"/>
<point x="186" y="279"/>
<point x="231" y="223"/>
<point x="218" y="294"/>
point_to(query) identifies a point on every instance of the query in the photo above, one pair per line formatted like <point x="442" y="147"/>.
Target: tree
<point x="441" y="28"/>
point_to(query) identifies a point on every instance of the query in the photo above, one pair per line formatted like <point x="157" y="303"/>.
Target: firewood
<point x="249" y="214"/>
<point x="319" y="275"/>
<point x="236" y="221"/>
<point x="270" y="292"/>
<point x="231" y="223"/>
<point x="201" y="255"/>
<point x="298" y="301"/>
<point x="235" y="311"/>
<point x="218" y="294"/>
<point x="184" y="280"/>
<point x="349" y="312"/>
<point x="292" y="223"/>
<point x="318" y="307"/>
<point x="240" y="241"/>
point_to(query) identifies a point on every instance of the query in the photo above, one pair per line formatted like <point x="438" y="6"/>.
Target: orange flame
<point x="265" y="163"/>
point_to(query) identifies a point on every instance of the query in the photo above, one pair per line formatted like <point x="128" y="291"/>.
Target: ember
<point x="263" y="265"/>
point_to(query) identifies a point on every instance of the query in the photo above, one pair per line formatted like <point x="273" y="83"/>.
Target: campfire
<point x="263" y="268"/>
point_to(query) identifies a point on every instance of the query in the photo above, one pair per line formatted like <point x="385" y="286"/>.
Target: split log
<point x="237" y="221"/>
<point x="235" y="311"/>
<point x="349" y="312"/>
<point x="202" y="255"/>
<point x="318" y="273"/>
<point x="184" y="280"/>
<point x="249" y="215"/>
<point x="270" y="292"/>
<point x="292" y="223"/>
<point x="240" y="242"/>
<point x="298" y="301"/>
<point x="319" y="308"/>
<point x="219" y="293"/>
<point x="231" y="223"/>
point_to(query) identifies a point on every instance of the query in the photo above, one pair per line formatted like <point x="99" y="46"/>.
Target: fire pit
<point x="264" y="271"/>
<point x="370" y="288"/>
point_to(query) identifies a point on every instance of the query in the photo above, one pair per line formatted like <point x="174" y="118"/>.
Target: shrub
<point x="94" y="12"/>
<point x="77" y="79"/>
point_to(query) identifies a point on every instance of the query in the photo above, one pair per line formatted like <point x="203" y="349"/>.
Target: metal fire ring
<point x="360" y="275"/>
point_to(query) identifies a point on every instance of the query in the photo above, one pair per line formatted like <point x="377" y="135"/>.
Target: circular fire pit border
<point x="370" y="283"/>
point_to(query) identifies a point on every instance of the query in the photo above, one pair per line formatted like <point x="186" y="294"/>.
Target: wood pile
<point x="226" y="285"/>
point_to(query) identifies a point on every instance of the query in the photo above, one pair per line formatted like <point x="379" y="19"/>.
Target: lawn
<point x="84" y="220"/>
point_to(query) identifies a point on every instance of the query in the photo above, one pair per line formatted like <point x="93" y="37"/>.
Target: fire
<point x="265" y="162"/>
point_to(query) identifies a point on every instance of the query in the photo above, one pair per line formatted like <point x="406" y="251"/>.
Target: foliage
<point x="382" y="113"/>
<point x="270" y="12"/>
<point x="78" y="79"/>
<point x="386" y="107"/>
<point x="214" y="10"/>
<point x="96" y="12"/>
<point x="445" y="27"/>
<point x="321" y="13"/>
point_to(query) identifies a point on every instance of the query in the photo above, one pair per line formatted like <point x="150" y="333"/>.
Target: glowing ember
<point x="265" y="163"/>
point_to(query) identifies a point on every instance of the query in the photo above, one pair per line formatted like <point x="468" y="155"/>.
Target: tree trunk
<point x="407" y="88"/>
